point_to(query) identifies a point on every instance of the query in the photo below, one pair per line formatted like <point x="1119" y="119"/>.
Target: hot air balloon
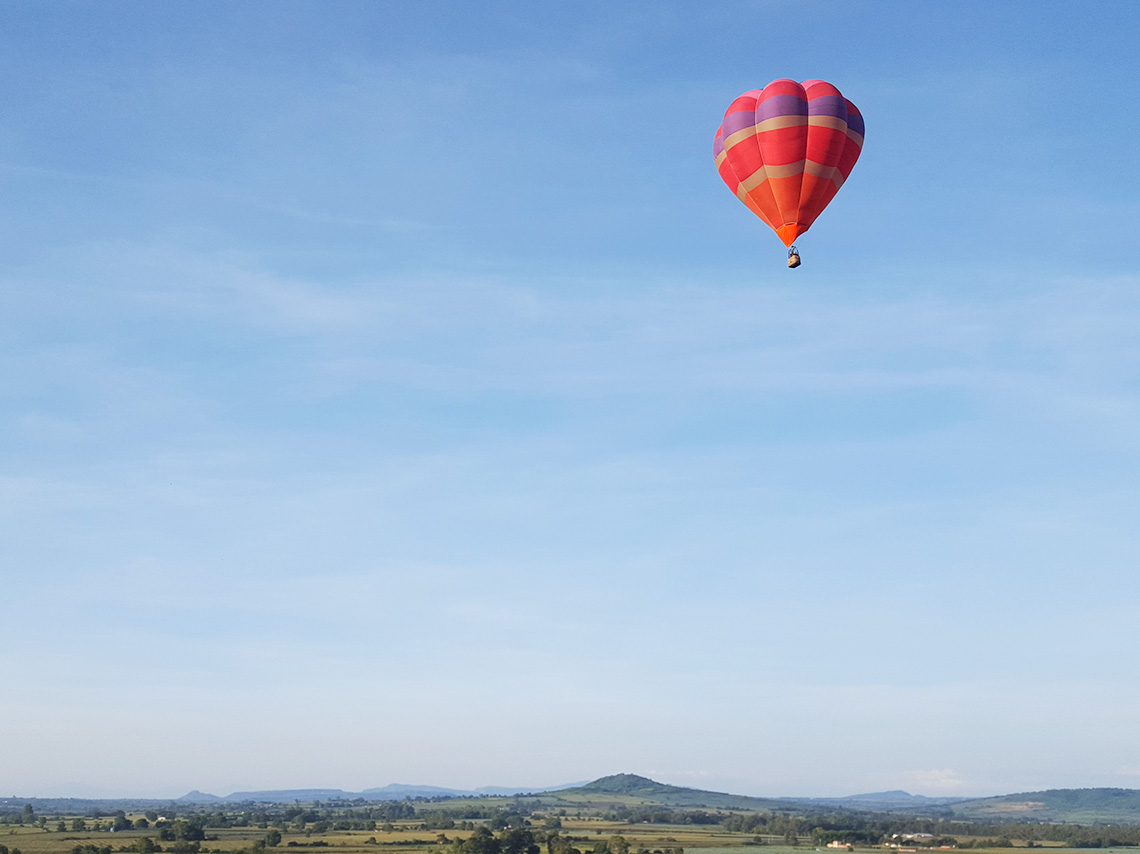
<point x="785" y="150"/>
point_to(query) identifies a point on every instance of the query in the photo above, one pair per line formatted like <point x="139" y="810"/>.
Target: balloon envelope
<point x="786" y="149"/>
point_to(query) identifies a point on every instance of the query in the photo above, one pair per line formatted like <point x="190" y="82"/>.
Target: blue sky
<point x="392" y="392"/>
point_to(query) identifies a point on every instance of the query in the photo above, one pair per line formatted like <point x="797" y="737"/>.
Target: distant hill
<point x="399" y="791"/>
<point x="631" y="790"/>
<point x="634" y="790"/>
<point x="286" y="795"/>
<point x="197" y="797"/>
<point x="1078" y="806"/>
<point x="391" y="792"/>
<point x="893" y="801"/>
<point x="631" y="784"/>
<point x="1083" y="806"/>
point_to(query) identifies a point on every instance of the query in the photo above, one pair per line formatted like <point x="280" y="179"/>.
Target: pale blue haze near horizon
<point x="392" y="392"/>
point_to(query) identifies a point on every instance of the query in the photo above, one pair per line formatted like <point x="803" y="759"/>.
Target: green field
<point x="405" y="837"/>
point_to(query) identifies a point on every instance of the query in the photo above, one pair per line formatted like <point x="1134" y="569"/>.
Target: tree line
<point x="854" y="828"/>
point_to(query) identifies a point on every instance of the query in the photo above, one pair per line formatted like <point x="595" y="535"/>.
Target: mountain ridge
<point x="1094" y="805"/>
<point x="390" y="792"/>
<point x="1090" y="805"/>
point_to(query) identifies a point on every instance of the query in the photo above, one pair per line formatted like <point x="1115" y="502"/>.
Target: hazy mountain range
<point x="1089" y="806"/>
<point x="391" y="792"/>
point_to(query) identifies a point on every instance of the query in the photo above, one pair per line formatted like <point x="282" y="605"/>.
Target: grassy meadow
<point x="406" y="837"/>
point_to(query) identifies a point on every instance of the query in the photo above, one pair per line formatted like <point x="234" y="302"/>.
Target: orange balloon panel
<point x="786" y="149"/>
